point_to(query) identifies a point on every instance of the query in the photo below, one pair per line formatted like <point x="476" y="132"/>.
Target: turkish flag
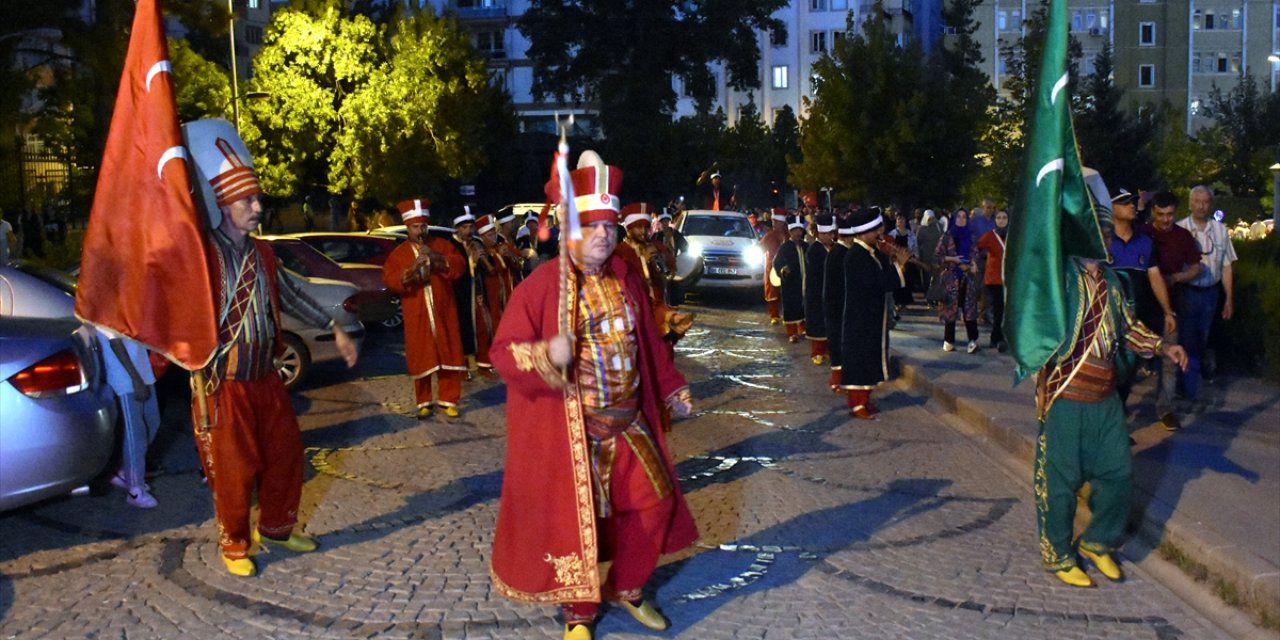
<point x="143" y="269"/>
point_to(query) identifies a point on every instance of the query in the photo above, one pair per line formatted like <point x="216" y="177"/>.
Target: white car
<point x="726" y="247"/>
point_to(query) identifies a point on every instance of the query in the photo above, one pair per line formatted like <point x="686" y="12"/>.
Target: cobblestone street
<point x="813" y="526"/>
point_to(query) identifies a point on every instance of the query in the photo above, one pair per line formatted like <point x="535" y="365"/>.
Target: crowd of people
<point x="584" y="341"/>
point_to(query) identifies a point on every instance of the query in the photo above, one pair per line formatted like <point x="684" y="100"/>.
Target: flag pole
<point x="562" y="169"/>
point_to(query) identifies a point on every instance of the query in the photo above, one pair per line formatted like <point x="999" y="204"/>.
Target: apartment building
<point x="786" y="60"/>
<point x="1164" y="50"/>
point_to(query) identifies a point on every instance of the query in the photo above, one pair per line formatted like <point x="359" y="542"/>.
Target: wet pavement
<point x="813" y="525"/>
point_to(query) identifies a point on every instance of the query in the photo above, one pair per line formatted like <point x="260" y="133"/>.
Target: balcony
<point x="480" y="9"/>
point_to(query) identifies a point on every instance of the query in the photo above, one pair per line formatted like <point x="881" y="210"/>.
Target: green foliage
<point x="203" y="87"/>
<point x="884" y="114"/>
<point x="1251" y="338"/>
<point x="1115" y="143"/>
<point x="1247" y="135"/>
<point x="355" y="111"/>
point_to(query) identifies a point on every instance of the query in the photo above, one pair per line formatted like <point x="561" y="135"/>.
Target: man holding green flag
<point x="1067" y="317"/>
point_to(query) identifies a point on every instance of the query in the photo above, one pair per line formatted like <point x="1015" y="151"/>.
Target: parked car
<point x="374" y="303"/>
<point x="371" y="247"/>
<point x="57" y="414"/>
<point x="305" y="345"/>
<point x="724" y="246"/>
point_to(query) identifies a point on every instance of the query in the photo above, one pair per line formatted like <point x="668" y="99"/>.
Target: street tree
<point x="1116" y="143"/>
<point x="1247" y="136"/>
<point x="203" y="87"/>
<point x="366" y="109"/>
<point x="621" y="56"/>
<point x="884" y="114"/>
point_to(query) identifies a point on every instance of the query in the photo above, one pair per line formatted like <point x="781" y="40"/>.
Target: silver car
<point x="57" y="415"/>
<point x="724" y="244"/>
<point x="305" y="345"/>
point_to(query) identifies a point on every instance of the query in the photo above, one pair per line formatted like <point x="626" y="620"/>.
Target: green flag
<point x="1055" y="218"/>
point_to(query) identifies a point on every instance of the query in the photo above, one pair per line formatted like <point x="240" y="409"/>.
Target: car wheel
<point x="396" y="319"/>
<point x="295" y="362"/>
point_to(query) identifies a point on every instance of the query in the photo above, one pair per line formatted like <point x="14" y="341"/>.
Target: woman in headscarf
<point x="957" y="254"/>
<point x="992" y="244"/>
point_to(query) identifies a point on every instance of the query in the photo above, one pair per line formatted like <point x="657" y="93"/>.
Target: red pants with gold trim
<point x="450" y="388"/>
<point x="631" y="537"/>
<point x="775" y="308"/>
<point x="817" y="348"/>
<point x="795" y="329"/>
<point x="253" y="443"/>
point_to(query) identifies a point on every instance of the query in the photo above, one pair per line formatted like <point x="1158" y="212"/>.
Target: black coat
<point x="464" y="292"/>
<point x="868" y="276"/>
<point x="790" y="254"/>
<point x="815" y="264"/>
<point x="833" y="300"/>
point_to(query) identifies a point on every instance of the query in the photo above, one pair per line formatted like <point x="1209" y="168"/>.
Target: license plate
<point x="723" y="271"/>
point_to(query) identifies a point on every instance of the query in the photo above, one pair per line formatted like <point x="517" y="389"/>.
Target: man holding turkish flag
<point x="143" y="270"/>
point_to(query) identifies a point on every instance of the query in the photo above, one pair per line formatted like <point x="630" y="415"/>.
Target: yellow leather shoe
<point x="1075" y="576"/>
<point x="818" y="360"/>
<point x="646" y="615"/>
<point x="452" y="412"/>
<point x="242" y="567"/>
<point x="424" y="413"/>
<point x="295" y="542"/>
<point x="577" y="632"/>
<point x="775" y="321"/>
<point x="1105" y="564"/>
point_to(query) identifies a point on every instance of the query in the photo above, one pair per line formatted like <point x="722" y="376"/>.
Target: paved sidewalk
<point x="1211" y="489"/>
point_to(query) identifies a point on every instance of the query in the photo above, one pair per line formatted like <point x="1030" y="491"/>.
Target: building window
<point x="1147" y="34"/>
<point x="778" y="37"/>
<point x="817" y="5"/>
<point x="1195" y="63"/>
<point x="839" y="5"/>
<point x="253" y="34"/>
<point x="252" y="4"/>
<point x="1222" y="65"/>
<point x="1002" y="20"/>
<point x="489" y="43"/>
<point x="1077" y="20"/>
<point x="1087" y="62"/>
<point x="780" y="77"/>
<point x="1197" y="19"/>
<point x="1237" y="20"/>
<point x="1146" y="75"/>
<point x="1235" y="64"/>
<point x="818" y="42"/>
<point x="1208" y="21"/>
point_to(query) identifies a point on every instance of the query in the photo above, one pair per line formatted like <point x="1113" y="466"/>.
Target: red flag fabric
<point x="143" y="269"/>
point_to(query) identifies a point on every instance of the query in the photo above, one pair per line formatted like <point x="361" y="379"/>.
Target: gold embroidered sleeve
<point x="534" y="356"/>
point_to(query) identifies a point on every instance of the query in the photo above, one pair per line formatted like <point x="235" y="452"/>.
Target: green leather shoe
<point x="295" y="542"/>
<point x="646" y="614"/>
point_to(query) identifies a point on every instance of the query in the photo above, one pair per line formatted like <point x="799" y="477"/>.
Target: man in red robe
<point x="655" y="262"/>
<point x="495" y="277"/>
<point x="422" y="271"/>
<point x="247" y="433"/>
<point x="589" y="478"/>
<point x="771" y="242"/>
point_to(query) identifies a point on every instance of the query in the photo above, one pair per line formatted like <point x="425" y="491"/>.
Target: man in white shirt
<point x="1198" y="298"/>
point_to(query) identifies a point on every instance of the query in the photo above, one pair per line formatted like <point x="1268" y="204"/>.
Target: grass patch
<point x="1226" y="590"/>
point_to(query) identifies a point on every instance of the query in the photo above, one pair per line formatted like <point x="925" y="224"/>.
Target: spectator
<point x="927" y="238"/>
<point x="992" y="244"/>
<point x="1200" y="297"/>
<point x="8" y="241"/>
<point x="1178" y="257"/>
<point x="957" y="254"/>
<point x="129" y="373"/>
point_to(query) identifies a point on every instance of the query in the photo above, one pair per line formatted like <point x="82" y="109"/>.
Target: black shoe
<point x="1170" y="422"/>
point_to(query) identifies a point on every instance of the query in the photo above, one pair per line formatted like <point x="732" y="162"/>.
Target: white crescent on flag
<point x="169" y="154"/>
<point x="160" y="67"/>
<point x="1057" y="88"/>
<point x="1050" y="167"/>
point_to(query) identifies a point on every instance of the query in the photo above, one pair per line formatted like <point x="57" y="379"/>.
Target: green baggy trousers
<point x="1078" y="443"/>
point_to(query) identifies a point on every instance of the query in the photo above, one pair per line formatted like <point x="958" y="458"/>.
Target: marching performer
<point x="833" y="296"/>
<point x="864" y="343"/>
<point x="771" y="242"/>
<point x="422" y="271"/>
<point x="815" y="260"/>
<point x="789" y="266"/>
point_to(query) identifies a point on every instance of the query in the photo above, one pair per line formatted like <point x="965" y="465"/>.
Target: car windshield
<point x="723" y="226"/>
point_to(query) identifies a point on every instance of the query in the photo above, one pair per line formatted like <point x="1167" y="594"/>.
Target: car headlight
<point x="695" y="248"/>
<point x="753" y="256"/>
